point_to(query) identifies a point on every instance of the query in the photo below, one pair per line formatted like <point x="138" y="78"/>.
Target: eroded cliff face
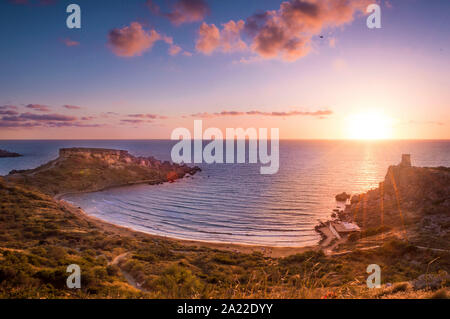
<point x="412" y="200"/>
<point x="87" y="169"/>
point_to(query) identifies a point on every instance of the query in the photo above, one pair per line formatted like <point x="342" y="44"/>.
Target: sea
<point x="234" y="203"/>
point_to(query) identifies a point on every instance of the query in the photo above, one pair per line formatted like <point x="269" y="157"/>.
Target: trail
<point x="126" y="275"/>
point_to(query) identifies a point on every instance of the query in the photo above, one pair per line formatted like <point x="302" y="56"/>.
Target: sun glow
<point x="369" y="126"/>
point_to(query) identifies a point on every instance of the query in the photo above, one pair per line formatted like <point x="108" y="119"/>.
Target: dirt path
<point x="118" y="258"/>
<point x="128" y="277"/>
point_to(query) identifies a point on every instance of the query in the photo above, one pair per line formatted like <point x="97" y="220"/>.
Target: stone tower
<point x="406" y="160"/>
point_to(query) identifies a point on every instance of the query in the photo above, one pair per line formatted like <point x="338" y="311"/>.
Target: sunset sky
<point x="139" y="69"/>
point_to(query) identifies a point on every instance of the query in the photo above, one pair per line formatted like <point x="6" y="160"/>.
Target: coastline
<point x="266" y="251"/>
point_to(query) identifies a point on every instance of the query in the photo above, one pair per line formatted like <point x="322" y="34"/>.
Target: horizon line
<point x="281" y="139"/>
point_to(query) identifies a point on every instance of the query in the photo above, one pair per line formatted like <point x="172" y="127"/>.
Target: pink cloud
<point x="47" y="117"/>
<point x="38" y="107"/>
<point x="183" y="11"/>
<point x="320" y="113"/>
<point x="8" y="107"/>
<point x="72" y="107"/>
<point x="70" y="43"/>
<point x="174" y="50"/>
<point x="209" y="38"/>
<point x="136" y="121"/>
<point x="132" y="40"/>
<point x="148" y="116"/>
<point x="9" y="110"/>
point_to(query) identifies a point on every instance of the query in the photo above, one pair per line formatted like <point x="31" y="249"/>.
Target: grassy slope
<point x="77" y="174"/>
<point x="39" y="238"/>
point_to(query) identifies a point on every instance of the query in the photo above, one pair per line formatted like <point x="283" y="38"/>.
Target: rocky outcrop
<point x="90" y="169"/>
<point x="413" y="200"/>
<point x="342" y="197"/>
<point x="4" y="153"/>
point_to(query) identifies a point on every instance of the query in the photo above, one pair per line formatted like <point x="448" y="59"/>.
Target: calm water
<point x="234" y="203"/>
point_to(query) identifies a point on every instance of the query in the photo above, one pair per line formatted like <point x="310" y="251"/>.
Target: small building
<point x="346" y="228"/>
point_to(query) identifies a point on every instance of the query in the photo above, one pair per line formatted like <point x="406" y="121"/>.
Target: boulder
<point x="342" y="197"/>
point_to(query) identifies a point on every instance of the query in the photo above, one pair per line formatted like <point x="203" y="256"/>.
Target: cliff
<point x="91" y="169"/>
<point x="414" y="201"/>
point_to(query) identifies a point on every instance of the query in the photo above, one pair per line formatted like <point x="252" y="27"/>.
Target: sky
<point x="139" y="69"/>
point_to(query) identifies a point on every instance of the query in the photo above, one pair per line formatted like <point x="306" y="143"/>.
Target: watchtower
<point x="406" y="160"/>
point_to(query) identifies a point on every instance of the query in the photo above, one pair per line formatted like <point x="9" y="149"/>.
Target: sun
<point x="370" y="125"/>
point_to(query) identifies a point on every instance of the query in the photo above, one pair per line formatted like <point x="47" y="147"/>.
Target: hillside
<point x="90" y="169"/>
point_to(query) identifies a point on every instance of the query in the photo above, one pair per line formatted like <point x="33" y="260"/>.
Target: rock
<point x="342" y="197"/>
<point x="431" y="281"/>
<point x="4" y="153"/>
<point x="355" y="199"/>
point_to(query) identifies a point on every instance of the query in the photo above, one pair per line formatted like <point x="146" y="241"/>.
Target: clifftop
<point x="81" y="151"/>
<point x="91" y="169"/>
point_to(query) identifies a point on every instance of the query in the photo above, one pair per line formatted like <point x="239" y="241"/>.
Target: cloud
<point x="210" y="38"/>
<point x="31" y="120"/>
<point x="6" y="124"/>
<point x="320" y="114"/>
<point x="38" y="107"/>
<point x="183" y="11"/>
<point x="132" y="40"/>
<point x="70" y="43"/>
<point x="174" y="50"/>
<point x="128" y="121"/>
<point x="47" y="117"/>
<point x="72" y="107"/>
<point x="285" y="33"/>
<point x="8" y="112"/>
<point x="148" y="116"/>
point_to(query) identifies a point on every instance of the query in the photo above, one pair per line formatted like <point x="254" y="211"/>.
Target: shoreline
<point x="267" y="251"/>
